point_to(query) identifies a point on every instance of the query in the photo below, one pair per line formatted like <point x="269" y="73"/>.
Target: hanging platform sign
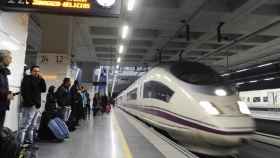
<point x="65" y="7"/>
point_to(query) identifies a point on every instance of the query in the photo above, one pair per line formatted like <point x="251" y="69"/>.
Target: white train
<point x="185" y="100"/>
<point x="261" y="99"/>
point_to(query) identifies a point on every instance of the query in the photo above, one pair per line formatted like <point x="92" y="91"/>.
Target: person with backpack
<point x="31" y="88"/>
<point x="50" y="100"/>
<point x="5" y="95"/>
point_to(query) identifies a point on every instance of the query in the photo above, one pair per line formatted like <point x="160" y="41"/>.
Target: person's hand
<point x="10" y="96"/>
<point x="40" y="76"/>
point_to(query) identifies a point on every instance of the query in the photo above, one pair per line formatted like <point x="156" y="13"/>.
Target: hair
<point x="3" y="54"/>
<point x="66" y="79"/>
<point x="33" y="67"/>
<point x="51" y="89"/>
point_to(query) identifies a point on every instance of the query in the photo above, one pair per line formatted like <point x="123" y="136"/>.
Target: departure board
<point x="66" y="7"/>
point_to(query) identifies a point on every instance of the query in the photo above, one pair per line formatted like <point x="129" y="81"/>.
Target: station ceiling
<point x="250" y="33"/>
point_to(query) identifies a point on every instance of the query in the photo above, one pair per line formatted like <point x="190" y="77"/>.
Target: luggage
<point x="8" y="144"/>
<point x="59" y="128"/>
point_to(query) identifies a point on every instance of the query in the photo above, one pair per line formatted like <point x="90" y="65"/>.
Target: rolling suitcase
<point x="108" y="109"/>
<point x="59" y="129"/>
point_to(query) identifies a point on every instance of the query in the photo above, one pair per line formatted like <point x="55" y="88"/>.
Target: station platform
<point x="114" y="135"/>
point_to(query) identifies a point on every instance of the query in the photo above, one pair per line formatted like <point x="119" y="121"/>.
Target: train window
<point x="265" y="99"/>
<point x="157" y="90"/>
<point x="256" y="99"/>
<point x="132" y="95"/>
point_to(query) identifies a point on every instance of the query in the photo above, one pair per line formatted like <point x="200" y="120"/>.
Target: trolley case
<point x="59" y="128"/>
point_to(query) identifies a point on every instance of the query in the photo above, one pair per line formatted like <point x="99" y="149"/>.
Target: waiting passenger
<point x="31" y="88"/>
<point x="51" y="99"/>
<point x="5" y="95"/>
<point x="76" y="102"/>
<point x="63" y="97"/>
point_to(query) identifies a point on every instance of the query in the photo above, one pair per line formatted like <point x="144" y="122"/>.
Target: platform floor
<point x="109" y="136"/>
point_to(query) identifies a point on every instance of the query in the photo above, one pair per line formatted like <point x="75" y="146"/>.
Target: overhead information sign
<point x="66" y="7"/>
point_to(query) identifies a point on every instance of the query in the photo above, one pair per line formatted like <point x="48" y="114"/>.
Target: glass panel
<point x="157" y="90"/>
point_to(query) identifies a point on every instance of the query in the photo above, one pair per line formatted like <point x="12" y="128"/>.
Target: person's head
<point x="82" y="88"/>
<point x="5" y="57"/>
<point x="51" y="89"/>
<point x="35" y="70"/>
<point x="66" y="82"/>
<point x="76" y="84"/>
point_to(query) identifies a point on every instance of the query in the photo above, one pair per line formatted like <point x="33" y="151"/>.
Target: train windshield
<point x="195" y="73"/>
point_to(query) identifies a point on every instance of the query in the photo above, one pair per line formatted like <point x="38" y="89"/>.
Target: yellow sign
<point x="80" y="4"/>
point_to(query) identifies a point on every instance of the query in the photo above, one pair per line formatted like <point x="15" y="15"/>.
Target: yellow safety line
<point x="125" y="147"/>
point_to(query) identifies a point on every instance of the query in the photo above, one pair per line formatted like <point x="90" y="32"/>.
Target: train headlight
<point x="243" y="108"/>
<point x="209" y="108"/>
<point x="220" y="92"/>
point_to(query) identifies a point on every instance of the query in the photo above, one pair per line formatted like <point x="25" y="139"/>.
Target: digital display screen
<point x="66" y="7"/>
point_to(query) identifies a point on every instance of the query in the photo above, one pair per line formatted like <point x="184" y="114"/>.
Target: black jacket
<point x="4" y="89"/>
<point x="50" y="102"/>
<point x="63" y="96"/>
<point x="31" y="89"/>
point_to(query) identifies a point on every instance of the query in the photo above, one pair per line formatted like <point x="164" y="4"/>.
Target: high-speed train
<point x="266" y="99"/>
<point x="188" y="101"/>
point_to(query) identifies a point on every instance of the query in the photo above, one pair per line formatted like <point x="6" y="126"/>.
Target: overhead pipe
<point x="236" y="41"/>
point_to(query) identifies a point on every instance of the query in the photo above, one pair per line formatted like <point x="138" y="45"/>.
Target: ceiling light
<point x="254" y="81"/>
<point x="220" y="92"/>
<point x="269" y="79"/>
<point x="224" y="75"/>
<point x="265" y="65"/>
<point x="130" y="5"/>
<point x="119" y="60"/>
<point x="106" y="3"/>
<point x="124" y="31"/>
<point x="116" y="71"/>
<point x="9" y="45"/>
<point x="240" y="83"/>
<point x="242" y="70"/>
<point x="118" y="66"/>
<point x="121" y="49"/>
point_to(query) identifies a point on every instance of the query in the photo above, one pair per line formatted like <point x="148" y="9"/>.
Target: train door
<point x="271" y="99"/>
<point x="277" y="99"/>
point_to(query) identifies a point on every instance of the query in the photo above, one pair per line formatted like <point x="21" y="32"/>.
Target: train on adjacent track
<point x="189" y="102"/>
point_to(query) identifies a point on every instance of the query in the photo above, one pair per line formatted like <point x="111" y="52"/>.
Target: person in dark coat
<point x="76" y="102"/>
<point x="51" y="99"/>
<point x="5" y="94"/>
<point x="31" y="88"/>
<point x="63" y="97"/>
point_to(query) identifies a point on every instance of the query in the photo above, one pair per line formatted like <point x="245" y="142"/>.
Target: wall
<point x="13" y="36"/>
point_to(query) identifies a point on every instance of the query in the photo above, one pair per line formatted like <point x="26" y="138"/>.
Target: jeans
<point x="28" y="124"/>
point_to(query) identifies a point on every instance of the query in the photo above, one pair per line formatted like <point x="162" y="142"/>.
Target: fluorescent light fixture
<point x="254" y="81"/>
<point x="130" y="5"/>
<point x="121" y="49"/>
<point x="265" y="65"/>
<point x="209" y="108"/>
<point x="227" y="74"/>
<point x="269" y="79"/>
<point x="240" y="83"/>
<point x="119" y="60"/>
<point x="242" y="70"/>
<point x="118" y="66"/>
<point x="106" y="3"/>
<point x="10" y="46"/>
<point x="124" y="31"/>
<point x="220" y="92"/>
<point x="116" y="71"/>
<point x="243" y="108"/>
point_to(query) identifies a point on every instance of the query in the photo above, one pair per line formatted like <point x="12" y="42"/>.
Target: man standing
<point x="64" y="98"/>
<point x="31" y="88"/>
<point x="5" y="94"/>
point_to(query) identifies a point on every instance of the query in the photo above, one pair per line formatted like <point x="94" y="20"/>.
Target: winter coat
<point x="50" y="102"/>
<point x="63" y="96"/>
<point x="31" y="89"/>
<point x="4" y="89"/>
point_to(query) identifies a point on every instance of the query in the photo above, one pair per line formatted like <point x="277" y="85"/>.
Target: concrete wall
<point x="13" y="32"/>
